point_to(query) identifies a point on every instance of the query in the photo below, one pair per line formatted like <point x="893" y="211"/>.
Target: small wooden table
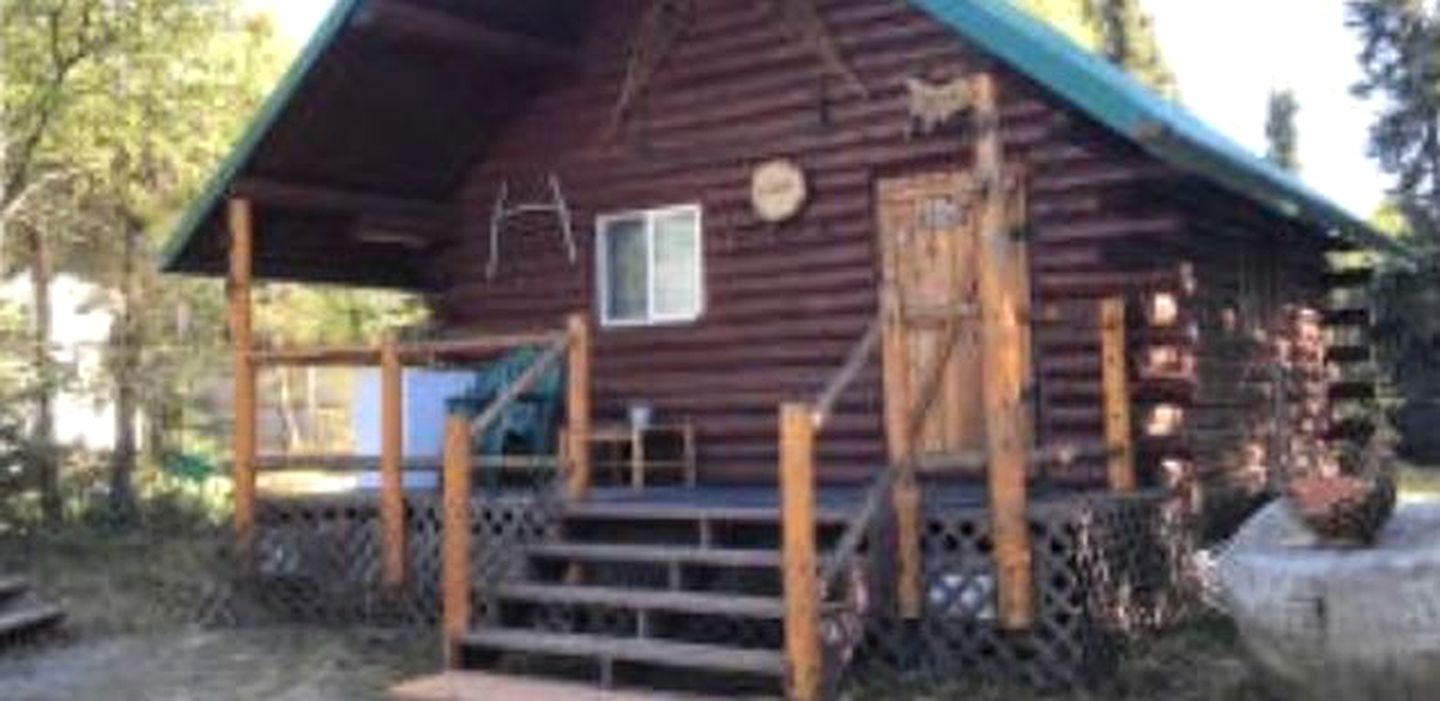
<point x="634" y="445"/>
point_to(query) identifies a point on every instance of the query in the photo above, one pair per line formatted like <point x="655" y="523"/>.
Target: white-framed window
<point x="650" y="266"/>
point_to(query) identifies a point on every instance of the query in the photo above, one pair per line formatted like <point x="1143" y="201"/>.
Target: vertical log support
<point x="577" y="406"/>
<point x="1118" y="440"/>
<point x="455" y="546"/>
<point x="905" y="493"/>
<point x="801" y="588"/>
<point x="242" y="343"/>
<point x="392" y="451"/>
<point x="1002" y="359"/>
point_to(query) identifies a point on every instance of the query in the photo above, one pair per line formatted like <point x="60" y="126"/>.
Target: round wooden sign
<point x="778" y="190"/>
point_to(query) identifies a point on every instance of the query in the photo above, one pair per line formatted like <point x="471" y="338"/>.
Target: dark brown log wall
<point x="784" y="303"/>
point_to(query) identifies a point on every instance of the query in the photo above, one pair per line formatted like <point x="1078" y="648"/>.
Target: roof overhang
<point x="1116" y="100"/>
<point x="353" y="162"/>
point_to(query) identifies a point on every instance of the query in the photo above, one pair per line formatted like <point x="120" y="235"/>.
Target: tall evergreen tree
<point x="1127" y="38"/>
<point x="1118" y="29"/>
<point x="1400" y="63"/>
<point x="1280" y="131"/>
<point x="1072" y="17"/>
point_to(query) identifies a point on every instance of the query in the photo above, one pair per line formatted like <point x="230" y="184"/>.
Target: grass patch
<point x="121" y="581"/>
<point x="134" y="600"/>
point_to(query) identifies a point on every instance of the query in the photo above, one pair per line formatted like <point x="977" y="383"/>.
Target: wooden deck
<point x="479" y="686"/>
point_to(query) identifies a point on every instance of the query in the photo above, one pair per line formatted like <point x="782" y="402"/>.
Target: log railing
<point x="801" y="424"/>
<point x="392" y="357"/>
<point x="574" y="345"/>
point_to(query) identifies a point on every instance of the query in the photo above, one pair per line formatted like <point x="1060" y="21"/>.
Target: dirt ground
<point x="1199" y="663"/>
<point x="134" y="602"/>
<point x="284" y="664"/>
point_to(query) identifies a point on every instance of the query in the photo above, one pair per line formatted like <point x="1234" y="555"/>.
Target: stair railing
<point x="455" y="571"/>
<point x="806" y="586"/>
<point x="800" y="424"/>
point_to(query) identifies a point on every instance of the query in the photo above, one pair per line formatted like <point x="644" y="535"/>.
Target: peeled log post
<point x="801" y="586"/>
<point x="1118" y="441"/>
<point x="392" y="477"/>
<point x="905" y="493"/>
<point x="1002" y="360"/>
<point x="241" y="344"/>
<point x="455" y="546"/>
<point x="577" y="406"/>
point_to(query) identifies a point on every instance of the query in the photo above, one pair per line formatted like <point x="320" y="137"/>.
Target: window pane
<point x="677" y="270"/>
<point x="625" y="263"/>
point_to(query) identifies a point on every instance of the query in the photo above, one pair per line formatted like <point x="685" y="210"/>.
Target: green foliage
<point x="1280" y="130"/>
<point x="1127" y="38"/>
<point x="1400" y="64"/>
<point x="1118" y="29"/>
<point x="1073" y="17"/>
<point x="115" y="113"/>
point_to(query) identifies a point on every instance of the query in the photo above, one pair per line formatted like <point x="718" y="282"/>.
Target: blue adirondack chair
<point x="527" y="426"/>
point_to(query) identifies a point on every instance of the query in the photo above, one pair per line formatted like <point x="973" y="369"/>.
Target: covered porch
<point x="927" y="548"/>
<point x="830" y="572"/>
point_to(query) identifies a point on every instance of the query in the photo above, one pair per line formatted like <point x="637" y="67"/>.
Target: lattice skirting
<point x="319" y="560"/>
<point x="1106" y="568"/>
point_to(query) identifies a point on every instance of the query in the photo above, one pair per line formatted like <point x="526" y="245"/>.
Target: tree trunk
<point x="288" y="420"/>
<point x="122" y="466"/>
<point x="42" y="436"/>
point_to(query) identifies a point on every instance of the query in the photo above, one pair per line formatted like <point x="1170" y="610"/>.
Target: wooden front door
<point x="929" y="228"/>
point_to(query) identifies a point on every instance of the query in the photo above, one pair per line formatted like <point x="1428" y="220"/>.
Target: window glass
<point x="626" y="294"/>
<point x="649" y="266"/>
<point x="677" y="264"/>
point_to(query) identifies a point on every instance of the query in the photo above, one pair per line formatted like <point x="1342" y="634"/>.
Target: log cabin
<point x="967" y="333"/>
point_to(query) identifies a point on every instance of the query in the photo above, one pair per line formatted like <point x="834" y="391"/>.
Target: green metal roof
<point x="203" y="207"/>
<point x="1113" y="98"/>
<point x="1105" y="93"/>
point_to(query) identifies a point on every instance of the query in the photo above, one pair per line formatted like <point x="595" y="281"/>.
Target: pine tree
<point x="1070" y="17"/>
<point x="1127" y="38"/>
<point x="1400" y="63"/>
<point x="1117" y="29"/>
<point x="1280" y="130"/>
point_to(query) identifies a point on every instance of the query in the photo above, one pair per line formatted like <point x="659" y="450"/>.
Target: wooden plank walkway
<point x="480" y="686"/>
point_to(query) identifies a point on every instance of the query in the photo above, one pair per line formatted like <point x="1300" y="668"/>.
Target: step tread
<point x="13" y="586"/>
<point x="30" y="618"/>
<point x="663" y="554"/>
<point x="646" y="599"/>
<point x="658" y="652"/>
<point x="687" y="512"/>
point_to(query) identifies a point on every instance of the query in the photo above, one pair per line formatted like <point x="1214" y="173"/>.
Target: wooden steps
<point x="610" y="649"/>
<point x="657" y="554"/>
<point x="659" y="593"/>
<point x="634" y="599"/>
<point x="29" y="619"/>
<point x="13" y="586"/>
<point x="482" y="686"/>
<point x="640" y="511"/>
<point x="20" y="615"/>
